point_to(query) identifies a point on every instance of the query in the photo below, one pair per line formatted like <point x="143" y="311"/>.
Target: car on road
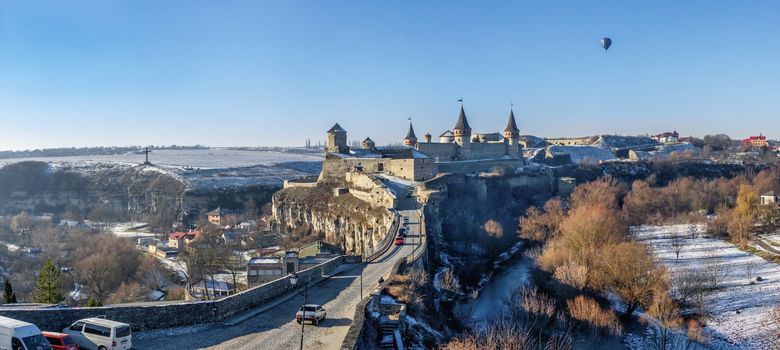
<point x="60" y="341"/>
<point x="311" y="312"/>
<point x="100" y="334"/>
<point x="402" y="231"/>
<point x="399" y="241"/>
<point x="406" y="220"/>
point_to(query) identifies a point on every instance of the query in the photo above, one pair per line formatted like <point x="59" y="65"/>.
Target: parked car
<point x="402" y="231"/>
<point x="101" y="334"/>
<point x="311" y="312"/>
<point x="20" y="335"/>
<point x="60" y="341"/>
<point x="406" y="220"/>
<point x="399" y="241"/>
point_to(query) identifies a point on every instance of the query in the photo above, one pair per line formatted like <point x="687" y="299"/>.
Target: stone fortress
<point x="457" y="151"/>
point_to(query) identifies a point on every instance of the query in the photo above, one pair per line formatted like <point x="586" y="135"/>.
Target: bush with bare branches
<point x="593" y="317"/>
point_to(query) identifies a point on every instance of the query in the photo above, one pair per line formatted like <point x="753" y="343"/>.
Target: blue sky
<point x="83" y="73"/>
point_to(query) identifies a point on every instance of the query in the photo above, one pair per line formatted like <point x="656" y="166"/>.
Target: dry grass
<point x="507" y="336"/>
<point x="596" y="319"/>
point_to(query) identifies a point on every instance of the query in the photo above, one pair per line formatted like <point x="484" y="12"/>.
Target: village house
<point x="268" y="268"/>
<point x="180" y="240"/>
<point x="219" y="216"/>
<point x="667" y="137"/>
<point x="756" y="141"/>
<point x="162" y="251"/>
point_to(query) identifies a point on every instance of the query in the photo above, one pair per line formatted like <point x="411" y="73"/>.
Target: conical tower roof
<point x="410" y="134"/>
<point x="463" y="123"/>
<point x="511" y="126"/>
<point x="337" y="129"/>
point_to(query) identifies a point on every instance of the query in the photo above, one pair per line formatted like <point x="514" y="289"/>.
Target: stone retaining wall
<point x="141" y="317"/>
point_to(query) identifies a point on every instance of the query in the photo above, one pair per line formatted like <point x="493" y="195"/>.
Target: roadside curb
<point x="236" y="320"/>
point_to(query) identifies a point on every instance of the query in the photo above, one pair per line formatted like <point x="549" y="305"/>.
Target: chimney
<point x="427" y="138"/>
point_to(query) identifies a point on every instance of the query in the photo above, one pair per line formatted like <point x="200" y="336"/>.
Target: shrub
<point x="593" y="317"/>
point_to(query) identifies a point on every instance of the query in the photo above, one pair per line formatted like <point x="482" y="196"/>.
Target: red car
<point x="399" y="241"/>
<point x="60" y="341"/>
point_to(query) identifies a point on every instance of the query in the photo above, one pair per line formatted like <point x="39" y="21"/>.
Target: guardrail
<point x="387" y="242"/>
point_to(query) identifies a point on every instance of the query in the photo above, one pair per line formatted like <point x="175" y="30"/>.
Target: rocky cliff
<point x="342" y="220"/>
<point x="131" y="192"/>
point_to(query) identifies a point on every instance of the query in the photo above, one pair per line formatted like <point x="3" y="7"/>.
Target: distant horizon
<point x="350" y="140"/>
<point x="249" y="73"/>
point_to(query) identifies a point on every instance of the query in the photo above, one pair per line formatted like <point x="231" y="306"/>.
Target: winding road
<point x="275" y="328"/>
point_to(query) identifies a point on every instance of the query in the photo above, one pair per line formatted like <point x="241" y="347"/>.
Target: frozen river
<point x="197" y="158"/>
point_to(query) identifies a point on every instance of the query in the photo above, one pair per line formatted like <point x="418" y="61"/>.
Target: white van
<point x="100" y="334"/>
<point x="20" y="335"/>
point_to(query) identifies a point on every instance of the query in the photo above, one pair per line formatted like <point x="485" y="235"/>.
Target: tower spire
<point x="411" y="138"/>
<point x="511" y="125"/>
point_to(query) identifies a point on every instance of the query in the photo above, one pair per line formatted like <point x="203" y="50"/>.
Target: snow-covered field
<point x="199" y="169"/>
<point x="196" y="158"/>
<point x="737" y="310"/>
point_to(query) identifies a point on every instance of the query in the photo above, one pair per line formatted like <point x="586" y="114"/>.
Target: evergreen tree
<point x="48" y="287"/>
<point x="8" y="293"/>
<point x="92" y="302"/>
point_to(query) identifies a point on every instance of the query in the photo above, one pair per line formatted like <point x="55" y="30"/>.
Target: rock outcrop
<point x="343" y="220"/>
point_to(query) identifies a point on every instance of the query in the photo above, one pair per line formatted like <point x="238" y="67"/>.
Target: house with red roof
<point x="756" y="141"/>
<point x="180" y="240"/>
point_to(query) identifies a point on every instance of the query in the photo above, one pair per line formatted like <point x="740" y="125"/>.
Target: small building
<point x="769" y="198"/>
<point x="216" y="289"/>
<point x="667" y="137"/>
<point x="268" y="268"/>
<point x="756" y="141"/>
<point x="180" y="240"/>
<point x="162" y="251"/>
<point x="218" y="216"/>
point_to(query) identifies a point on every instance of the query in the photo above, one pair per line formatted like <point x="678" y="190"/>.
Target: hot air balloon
<point x="606" y="43"/>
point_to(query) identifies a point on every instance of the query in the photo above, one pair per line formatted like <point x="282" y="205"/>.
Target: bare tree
<point x="677" y="243"/>
<point x="716" y="270"/>
<point x="447" y="281"/>
<point x="98" y="274"/>
<point x="690" y="286"/>
<point x="693" y="230"/>
<point x="750" y="271"/>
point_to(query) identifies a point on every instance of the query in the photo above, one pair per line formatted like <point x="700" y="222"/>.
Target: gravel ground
<point x="276" y="328"/>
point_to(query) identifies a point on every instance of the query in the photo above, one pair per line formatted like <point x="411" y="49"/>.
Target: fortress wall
<point x="336" y="168"/>
<point x="442" y="151"/>
<point x="371" y="190"/>
<point x="416" y="169"/>
<point x="488" y="150"/>
<point x="477" y="166"/>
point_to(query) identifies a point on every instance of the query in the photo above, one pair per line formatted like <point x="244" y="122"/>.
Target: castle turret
<point x="337" y="140"/>
<point x="411" y="138"/>
<point x="368" y="143"/>
<point x="462" y="133"/>
<point x="512" y="133"/>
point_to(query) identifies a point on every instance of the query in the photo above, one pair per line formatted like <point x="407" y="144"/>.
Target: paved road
<point x="276" y="328"/>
